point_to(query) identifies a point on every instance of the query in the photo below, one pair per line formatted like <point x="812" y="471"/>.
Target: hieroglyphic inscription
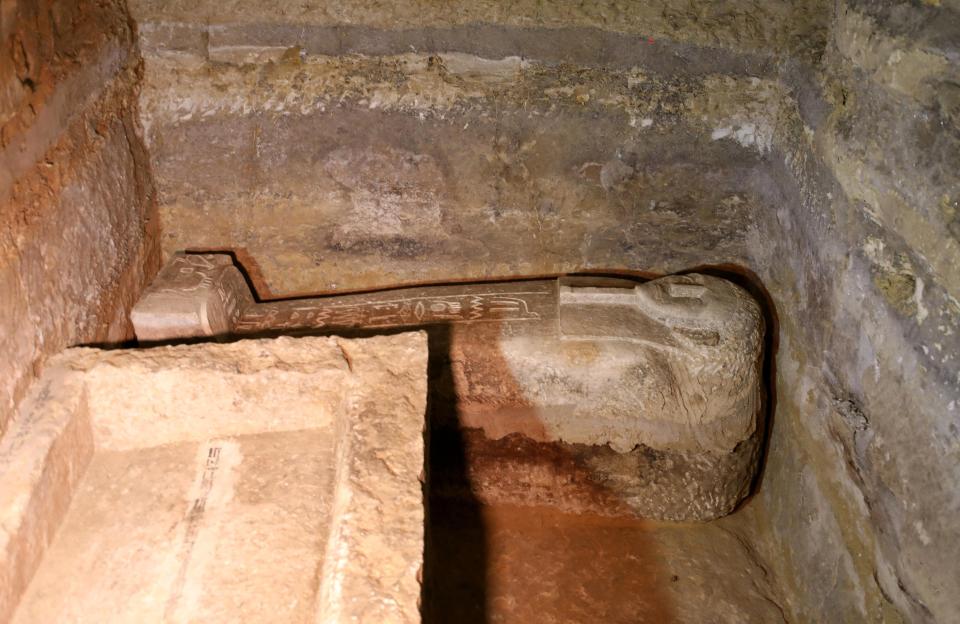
<point x="206" y="295"/>
<point x="399" y="309"/>
<point x="194" y="295"/>
<point x="192" y="523"/>
<point x="190" y="274"/>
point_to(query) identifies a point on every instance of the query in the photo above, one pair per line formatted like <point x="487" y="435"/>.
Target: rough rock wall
<point x="76" y="199"/>
<point x="815" y="145"/>
<point x="862" y="258"/>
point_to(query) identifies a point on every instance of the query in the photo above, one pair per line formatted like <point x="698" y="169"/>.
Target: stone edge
<point x="373" y="567"/>
<point x="43" y="456"/>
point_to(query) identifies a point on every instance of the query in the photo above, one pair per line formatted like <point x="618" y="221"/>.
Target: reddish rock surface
<point x="78" y="227"/>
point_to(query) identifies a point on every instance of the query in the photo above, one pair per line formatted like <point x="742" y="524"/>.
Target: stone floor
<point x="507" y="563"/>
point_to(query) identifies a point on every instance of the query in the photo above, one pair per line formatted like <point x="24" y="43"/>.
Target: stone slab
<point x="261" y="480"/>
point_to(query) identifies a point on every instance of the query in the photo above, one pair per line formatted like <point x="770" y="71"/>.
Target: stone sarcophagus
<point x="257" y="481"/>
<point x="627" y="396"/>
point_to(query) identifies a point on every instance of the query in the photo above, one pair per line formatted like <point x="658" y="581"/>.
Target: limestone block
<point x="654" y="390"/>
<point x="42" y="457"/>
<point x="676" y="365"/>
<point x="260" y="480"/>
<point x="195" y="295"/>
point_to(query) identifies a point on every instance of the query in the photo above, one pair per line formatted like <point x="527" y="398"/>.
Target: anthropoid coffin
<point x="607" y="395"/>
<point x="273" y="480"/>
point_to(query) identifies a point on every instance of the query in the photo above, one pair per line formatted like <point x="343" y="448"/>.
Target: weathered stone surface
<point x="373" y="568"/>
<point x="663" y="415"/>
<point x="656" y="384"/>
<point x="78" y="228"/>
<point x="760" y="26"/>
<point x="580" y="478"/>
<point x="205" y="297"/>
<point x="860" y="486"/>
<point x="43" y="456"/>
<point x="813" y="145"/>
<point x="697" y="380"/>
<point x="261" y="480"/>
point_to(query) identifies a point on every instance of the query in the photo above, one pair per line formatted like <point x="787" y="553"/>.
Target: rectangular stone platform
<point x="256" y="481"/>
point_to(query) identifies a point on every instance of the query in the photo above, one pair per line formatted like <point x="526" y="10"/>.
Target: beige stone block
<point x="256" y="481"/>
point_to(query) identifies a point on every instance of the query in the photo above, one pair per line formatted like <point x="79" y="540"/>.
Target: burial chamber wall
<point x="862" y="256"/>
<point x="76" y="199"/>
